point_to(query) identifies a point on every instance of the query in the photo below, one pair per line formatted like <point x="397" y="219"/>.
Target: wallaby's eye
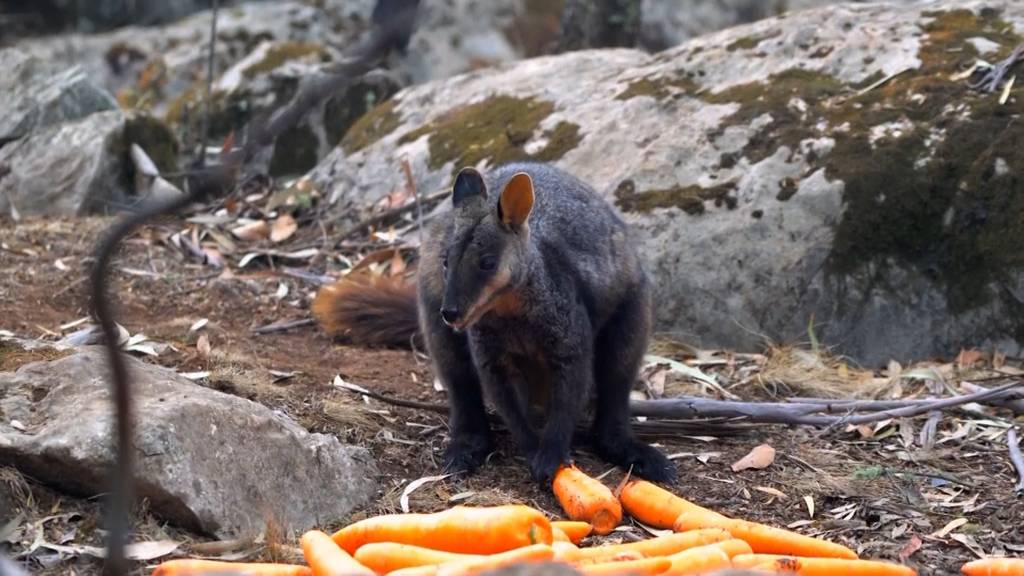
<point x="444" y="261"/>
<point x="488" y="263"/>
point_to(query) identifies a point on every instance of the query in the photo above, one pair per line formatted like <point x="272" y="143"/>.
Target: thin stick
<point x="204" y="134"/>
<point x="390" y="214"/>
<point x="793" y="413"/>
<point x="1016" y="458"/>
<point x="283" y="325"/>
<point x="416" y="192"/>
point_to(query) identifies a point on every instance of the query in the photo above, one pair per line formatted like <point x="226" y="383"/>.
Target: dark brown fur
<point x="369" y="310"/>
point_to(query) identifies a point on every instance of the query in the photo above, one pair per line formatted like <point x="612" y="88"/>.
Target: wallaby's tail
<point x="369" y="310"/>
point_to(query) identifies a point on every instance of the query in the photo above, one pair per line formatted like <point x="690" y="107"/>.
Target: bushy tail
<point x="369" y="310"/>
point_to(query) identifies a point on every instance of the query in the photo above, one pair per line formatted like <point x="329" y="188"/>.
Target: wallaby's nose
<point x="450" y="315"/>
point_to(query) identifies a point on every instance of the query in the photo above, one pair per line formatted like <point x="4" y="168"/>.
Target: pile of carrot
<point x="465" y="541"/>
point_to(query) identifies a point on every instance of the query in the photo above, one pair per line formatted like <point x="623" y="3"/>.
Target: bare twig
<point x="390" y="215"/>
<point x="205" y="130"/>
<point x="283" y="325"/>
<point x="1016" y="458"/>
<point x="411" y="184"/>
<point x="990" y="81"/>
<point x="793" y="413"/>
<point x="719" y="426"/>
<point x="1011" y="399"/>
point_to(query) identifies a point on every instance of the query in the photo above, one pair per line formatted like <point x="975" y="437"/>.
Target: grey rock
<point x="35" y="93"/>
<point x="770" y="186"/>
<point x="205" y="460"/>
<point x="66" y="169"/>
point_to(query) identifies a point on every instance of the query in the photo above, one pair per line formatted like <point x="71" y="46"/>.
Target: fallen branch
<point x="1011" y="399"/>
<point x="718" y="426"/>
<point x="1016" y="458"/>
<point x="391" y="215"/>
<point x="283" y="325"/>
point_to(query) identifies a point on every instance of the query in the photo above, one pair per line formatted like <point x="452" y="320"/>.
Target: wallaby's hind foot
<point x="645" y="460"/>
<point x="466" y="453"/>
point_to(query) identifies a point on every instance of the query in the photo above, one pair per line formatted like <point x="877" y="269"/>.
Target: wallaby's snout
<point x="450" y="315"/>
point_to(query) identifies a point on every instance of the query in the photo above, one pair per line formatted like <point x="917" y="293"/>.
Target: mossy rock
<point x="659" y="87"/>
<point x="497" y="130"/>
<point x="689" y="199"/>
<point x="280" y="53"/>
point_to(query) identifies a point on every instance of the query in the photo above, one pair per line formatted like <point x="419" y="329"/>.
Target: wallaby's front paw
<point x="649" y="463"/>
<point x="466" y="453"/>
<point x="545" y="463"/>
<point x="646" y="461"/>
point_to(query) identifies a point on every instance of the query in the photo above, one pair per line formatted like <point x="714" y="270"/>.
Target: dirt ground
<point x="874" y="490"/>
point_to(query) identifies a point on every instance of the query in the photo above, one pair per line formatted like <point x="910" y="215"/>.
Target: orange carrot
<point x="574" y="531"/>
<point x="655" y="506"/>
<point x="327" y="559"/>
<point x="662" y="545"/>
<point x="732" y="547"/>
<point x="820" y="566"/>
<point x="994" y="567"/>
<point x="765" y="539"/>
<point x="586" y="498"/>
<point x="384" y="557"/>
<point x="699" y="560"/>
<point x="188" y="567"/>
<point x="535" y="553"/>
<point x="642" y="567"/>
<point x="565" y="551"/>
<point x="461" y="529"/>
<point x="620" y="556"/>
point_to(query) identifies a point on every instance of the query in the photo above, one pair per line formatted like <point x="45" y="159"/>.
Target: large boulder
<point x="34" y="93"/>
<point x="66" y="169"/>
<point x="205" y="460"/>
<point x="153" y="67"/>
<point x="825" y="168"/>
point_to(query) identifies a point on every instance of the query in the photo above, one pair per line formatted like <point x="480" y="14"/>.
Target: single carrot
<point x="642" y="567"/>
<point x="699" y="560"/>
<point x="765" y="539"/>
<point x="621" y="556"/>
<point x="574" y="531"/>
<point x="327" y="559"/>
<point x="994" y="567"/>
<point x="733" y="547"/>
<point x="190" y="567"/>
<point x="534" y="553"/>
<point x="662" y="545"/>
<point x="565" y="551"/>
<point x="585" y="498"/>
<point x="468" y="530"/>
<point x="821" y="566"/>
<point x="655" y="506"/>
<point x="384" y="557"/>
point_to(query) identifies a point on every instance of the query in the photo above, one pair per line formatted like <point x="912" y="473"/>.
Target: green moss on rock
<point x="283" y="52"/>
<point x="690" y="199"/>
<point x="942" y="195"/>
<point x="371" y="127"/>
<point x="773" y="97"/>
<point x="497" y="130"/>
<point x="155" y="138"/>
<point x="659" y="87"/>
<point x="751" y="42"/>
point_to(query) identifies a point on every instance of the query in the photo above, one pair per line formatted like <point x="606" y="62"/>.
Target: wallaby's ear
<point x="468" y="184"/>
<point x="516" y="201"/>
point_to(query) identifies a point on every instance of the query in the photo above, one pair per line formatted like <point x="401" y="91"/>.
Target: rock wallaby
<point x="529" y="292"/>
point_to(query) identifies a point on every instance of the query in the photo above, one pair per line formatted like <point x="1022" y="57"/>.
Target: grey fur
<point x="563" y="312"/>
